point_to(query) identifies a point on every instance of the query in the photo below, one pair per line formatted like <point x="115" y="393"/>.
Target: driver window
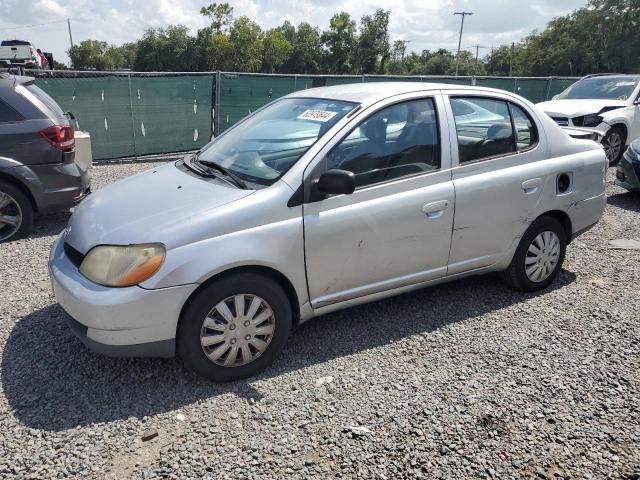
<point x="398" y="141"/>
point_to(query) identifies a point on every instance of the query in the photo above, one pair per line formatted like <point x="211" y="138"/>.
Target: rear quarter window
<point x="42" y="97"/>
<point x="8" y="114"/>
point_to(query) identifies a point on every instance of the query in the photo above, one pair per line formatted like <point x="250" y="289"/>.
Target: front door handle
<point x="435" y="209"/>
<point x="531" y="186"/>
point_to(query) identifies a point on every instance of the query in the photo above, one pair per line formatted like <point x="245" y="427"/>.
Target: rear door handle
<point x="435" y="209"/>
<point x="531" y="186"/>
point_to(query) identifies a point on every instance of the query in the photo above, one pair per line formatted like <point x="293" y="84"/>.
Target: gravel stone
<point x="464" y="380"/>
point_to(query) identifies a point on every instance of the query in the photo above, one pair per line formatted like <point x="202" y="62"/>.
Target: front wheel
<point x="613" y="143"/>
<point x="539" y="256"/>
<point x="235" y="327"/>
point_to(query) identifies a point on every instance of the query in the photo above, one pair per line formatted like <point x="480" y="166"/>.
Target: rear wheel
<point x="16" y="213"/>
<point x="235" y="327"/>
<point x="539" y="256"/>
<point x="613" y="144"/>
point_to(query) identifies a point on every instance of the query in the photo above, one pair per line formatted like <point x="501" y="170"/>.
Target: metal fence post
<point x="133" y="122"/>
<point x="216" y="105"/>
<point x="546" y="95"/>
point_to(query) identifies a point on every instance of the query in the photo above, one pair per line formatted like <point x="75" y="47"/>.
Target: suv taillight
<point x="60" y="136"/>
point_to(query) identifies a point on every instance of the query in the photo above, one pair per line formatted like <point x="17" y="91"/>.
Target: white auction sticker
<point x="317" y="115"/>
<point x="625" y="84"/>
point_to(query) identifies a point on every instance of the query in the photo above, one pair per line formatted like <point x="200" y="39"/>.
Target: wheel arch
<point x="20" y="185"/>
<point x="267" y="272"/>
<point x="622" y="126"/>
<point x="564" y="220"/>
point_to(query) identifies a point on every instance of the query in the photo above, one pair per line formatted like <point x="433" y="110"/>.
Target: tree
<point x="307" y="49"/>
<point x="246" y="37"/>
<point x="397" y="64"/>
<point x="169" y="49"/>
<point x="221" y="15"/>
<point x="96" y="55"/>
<point x="373" y="44"/>
<point x="340" y="42"/>
<point x="276" y="50"/>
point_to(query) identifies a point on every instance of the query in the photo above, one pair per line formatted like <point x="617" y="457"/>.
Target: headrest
<point x="499" y="131"/>
<point x="376" y="129"/>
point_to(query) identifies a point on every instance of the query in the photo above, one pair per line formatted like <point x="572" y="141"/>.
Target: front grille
<point x="73" y="255"/>
<point x="562" y="121"/>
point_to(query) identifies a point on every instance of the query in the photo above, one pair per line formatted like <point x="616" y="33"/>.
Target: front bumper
<point x="130" y="321"/>
<point x="628" y="172"/>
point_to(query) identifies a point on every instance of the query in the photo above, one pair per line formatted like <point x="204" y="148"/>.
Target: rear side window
<point x="48" y="102"/>
<point x="489" y="128"/>
<point x="8" y="114"/>
<point x="526" y="134"/>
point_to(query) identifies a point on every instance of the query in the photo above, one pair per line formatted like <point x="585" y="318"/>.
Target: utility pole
<point x="404" y="47"/>
<point x="462" y="15"/>
<point x="513" y="46"/>
<point x="70" y="37"/>
<point x="478" y="47"/>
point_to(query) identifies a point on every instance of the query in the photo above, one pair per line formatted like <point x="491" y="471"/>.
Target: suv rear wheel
<point x="16" y="213"/>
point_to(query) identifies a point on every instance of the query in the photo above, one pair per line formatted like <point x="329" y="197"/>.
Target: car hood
<point x="576" y="108"/>
<point x="152" y="206"/>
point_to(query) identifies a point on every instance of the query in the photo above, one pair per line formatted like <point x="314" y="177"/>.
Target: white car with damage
<point x="607" y="104"/>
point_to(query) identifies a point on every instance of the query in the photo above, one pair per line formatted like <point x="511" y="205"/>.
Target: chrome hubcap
<point x="542" y="256"/>
<point x="237" y="330"/>
<point x="10" y="216"/>
<point x="612" y="146"/>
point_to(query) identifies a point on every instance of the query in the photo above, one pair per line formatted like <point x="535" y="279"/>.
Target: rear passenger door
<point x="497" y="177"/>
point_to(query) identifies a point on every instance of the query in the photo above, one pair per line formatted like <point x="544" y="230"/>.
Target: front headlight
<point x="122" y="266"/>
<point x="587" y="121"/>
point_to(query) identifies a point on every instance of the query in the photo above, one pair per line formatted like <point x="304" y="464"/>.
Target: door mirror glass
<point x="337" y="182"/>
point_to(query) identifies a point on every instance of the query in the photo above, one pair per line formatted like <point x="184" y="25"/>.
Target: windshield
<point x="606" y="88"/>
<point x="264" y="146"/>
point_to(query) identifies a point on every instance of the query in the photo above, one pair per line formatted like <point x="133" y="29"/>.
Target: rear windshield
<point x="48" y="102"/>
<point x="13" y="43"/>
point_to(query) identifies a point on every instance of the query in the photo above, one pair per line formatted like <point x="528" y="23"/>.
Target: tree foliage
<point x="602" y="37"/>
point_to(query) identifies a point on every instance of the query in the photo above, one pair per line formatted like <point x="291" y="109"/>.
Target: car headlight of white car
<point x="122" y="266"/>
<point x="588" y="121"/>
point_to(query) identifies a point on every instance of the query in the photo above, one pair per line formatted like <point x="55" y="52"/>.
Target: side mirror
<point x="637" y="102"/>
<point x="337" y="182"/>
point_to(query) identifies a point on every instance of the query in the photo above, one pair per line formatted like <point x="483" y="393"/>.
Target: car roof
<point x="371" y="92"/>
<point x="612" y="76"/>
<point x="8" y="78"/>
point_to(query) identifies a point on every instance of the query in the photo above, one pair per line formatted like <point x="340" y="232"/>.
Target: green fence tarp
<point x="137" y="115"/>
<point x="132" y="114"/>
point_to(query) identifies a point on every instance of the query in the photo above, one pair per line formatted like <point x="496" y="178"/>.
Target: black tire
<point x="193" y="315"/>
<point x="621" y="141"/>
<point x="26" y="212"/>
<point x="516" y="275"/>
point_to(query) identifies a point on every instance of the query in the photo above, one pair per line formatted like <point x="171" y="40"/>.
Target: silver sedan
<point x="321" y="200"/>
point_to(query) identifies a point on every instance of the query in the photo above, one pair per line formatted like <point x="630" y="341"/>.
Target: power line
<point x="31" y="25"/>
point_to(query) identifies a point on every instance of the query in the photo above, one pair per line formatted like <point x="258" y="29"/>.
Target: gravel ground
<point x="465" y="380"/>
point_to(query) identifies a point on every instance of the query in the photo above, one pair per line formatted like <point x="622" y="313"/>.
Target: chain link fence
<point x="132" y="114"/>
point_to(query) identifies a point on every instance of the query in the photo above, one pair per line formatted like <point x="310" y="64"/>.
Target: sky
<point x="426" y="24"/>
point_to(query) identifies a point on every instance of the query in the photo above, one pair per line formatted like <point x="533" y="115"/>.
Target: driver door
<point x="395" y="229"/>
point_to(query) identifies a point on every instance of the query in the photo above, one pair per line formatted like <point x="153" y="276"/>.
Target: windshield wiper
<point x="237" y="181"/>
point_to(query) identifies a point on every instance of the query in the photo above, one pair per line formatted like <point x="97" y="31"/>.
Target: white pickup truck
<point x="19" y="52"/>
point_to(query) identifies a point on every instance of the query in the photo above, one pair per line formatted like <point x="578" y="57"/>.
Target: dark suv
<point x="37" y="151"/>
